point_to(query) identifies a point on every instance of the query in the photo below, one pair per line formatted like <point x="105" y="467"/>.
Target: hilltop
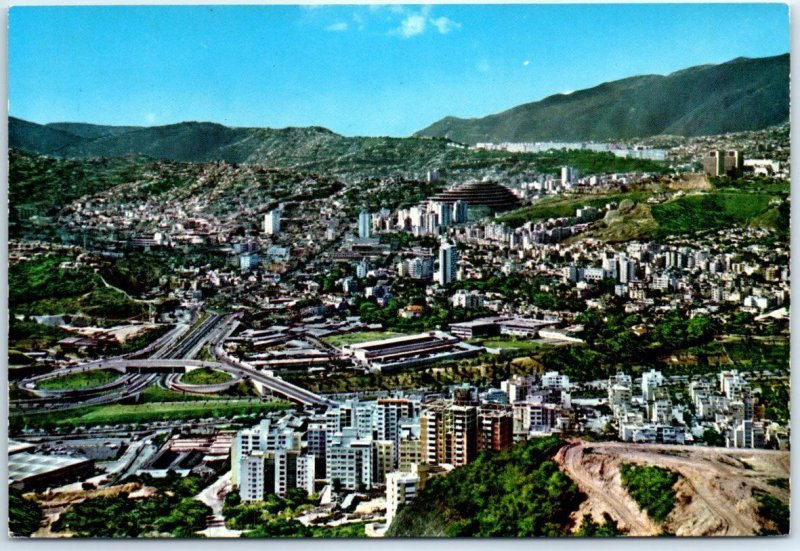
<point x="311" y="149"/>
<point x="547" y="487"/>
<point x="742" y="94"/>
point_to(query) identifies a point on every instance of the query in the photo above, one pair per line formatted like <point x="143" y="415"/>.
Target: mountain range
<point x="743" y="94"/>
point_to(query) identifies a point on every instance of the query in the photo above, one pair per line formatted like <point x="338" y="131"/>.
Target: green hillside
<point x="519" y="492"/>
<point x="742" y="94"/>
<point x="41" y="287"/>
<point x="717" y="208"/>
<point x="30" y="136"/>
<point x="90" y="131"/>
<point x="311" y="149"/>
<point x="43" y="183"/>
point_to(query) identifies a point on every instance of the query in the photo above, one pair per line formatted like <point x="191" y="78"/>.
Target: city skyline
<point x="320" y="70"/>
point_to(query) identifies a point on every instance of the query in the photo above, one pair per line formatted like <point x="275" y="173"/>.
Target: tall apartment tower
<point x="401" y="488"/>
<point x="364" y="224"/>
<point x="714" y="163"/>
<point x="448" y="260"/>
<point x="496" y="430"/>
<point x="567" y="175"/>
<point x="444" y="212"/>
<point x="460" y="212"/>
<point x="449" y="433"/>
<point x="272" y="222"/>
<point x="734" y="163"/>
<point x="388" y="413"/>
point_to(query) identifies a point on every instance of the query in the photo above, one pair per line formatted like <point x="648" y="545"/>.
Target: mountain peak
<point x="740" y="94"/>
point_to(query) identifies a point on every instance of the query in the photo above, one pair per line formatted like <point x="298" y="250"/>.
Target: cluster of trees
<point x="482" y="371"/>
<point x="594" y="162"/>
<point x="24" y="335"/>
<point x="41" y="278"/>
<point x="611" y="344"/>
<point x="40" y="286"/>
<point x="526" y="288"/>
<point x="249" y="516"/>
<point x="609" y="528"/>
<point x="403" y="193"/>
<point x="275" y="517"/>
<point x="439" y="315"/>
<point x="46" y="183"/>
<point x="172" y="510"/>
<point x="24" y="515"/>
<point x="712" y="437"/>
<point x="519" y="492"/>
<point x="774" y="396"/>
<point x="774" y="511"/>
<point x="651" y="487"/>
<point x="610" y="332"/>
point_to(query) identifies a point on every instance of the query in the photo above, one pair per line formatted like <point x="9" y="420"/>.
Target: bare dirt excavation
<point x="713" y="495"/>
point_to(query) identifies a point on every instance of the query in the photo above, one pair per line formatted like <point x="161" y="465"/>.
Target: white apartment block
<point x="401" y="488"/>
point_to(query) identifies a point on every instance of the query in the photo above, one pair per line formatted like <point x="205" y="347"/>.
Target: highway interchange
<point x="164" y="363"/>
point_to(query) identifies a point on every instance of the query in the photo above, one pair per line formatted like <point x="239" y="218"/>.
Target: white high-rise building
<point x="364" y="224"/>
<point x="444" y="212"/>
<point x="400" y="488"/>
<point x="651" y="382"/>
<point x="567" y="175"/>
<point x="460" y="212"/>
<point x="306" y="473"/>
<point x="555" y="381"/>
<point x="251" y="477"/>
<point x="448" y="260"/>
<point x="420" y="267"/>
<point x="272" y="222"/>
<point x="349" y="460"/>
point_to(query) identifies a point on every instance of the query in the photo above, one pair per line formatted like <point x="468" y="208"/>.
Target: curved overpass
<point x="173" y="382"/>
<point x="138" y="374"/>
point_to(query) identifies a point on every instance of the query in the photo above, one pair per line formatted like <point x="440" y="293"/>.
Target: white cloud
<point x="526" y="62"/>
<point x="150" y="118"/>
<point x="445" y="25"/>
<point x="567" y="92"/>
<point x="413" y="25"/>
<point x="337" y="27"/>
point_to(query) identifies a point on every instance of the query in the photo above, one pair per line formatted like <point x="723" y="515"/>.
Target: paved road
<point x="175" y="354"/>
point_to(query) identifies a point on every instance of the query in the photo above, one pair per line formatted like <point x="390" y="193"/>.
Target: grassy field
<point x="85" y="379"/>
<point x="522" y="345"/>
<point x="144" y="413"/>
<point x="205" y="376"/>
<point x="156" y="393"/>
<point x="360" y="336"/>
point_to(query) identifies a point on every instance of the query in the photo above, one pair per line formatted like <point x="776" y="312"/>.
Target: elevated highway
<point x="174" y="352"/>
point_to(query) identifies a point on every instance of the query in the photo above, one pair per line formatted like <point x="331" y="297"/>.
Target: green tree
<point x="24" y="515"/>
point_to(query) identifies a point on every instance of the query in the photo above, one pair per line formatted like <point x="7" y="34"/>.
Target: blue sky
<point x="358" y="70"/>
